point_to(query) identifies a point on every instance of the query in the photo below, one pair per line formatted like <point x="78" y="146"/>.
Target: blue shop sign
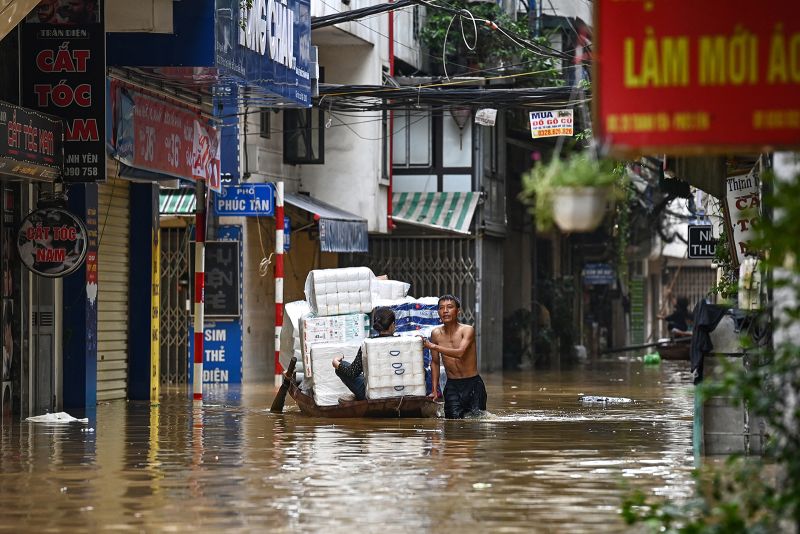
<point x="598" y="274"/>
<point x="248" y="200"/>
<point x="222" y="352"/>
<point x="218" y="42"/>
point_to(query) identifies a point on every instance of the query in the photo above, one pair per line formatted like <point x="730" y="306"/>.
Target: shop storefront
<point x="32" y="261"/>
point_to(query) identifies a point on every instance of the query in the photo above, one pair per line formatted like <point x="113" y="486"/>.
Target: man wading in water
<point x="464" y="392"/>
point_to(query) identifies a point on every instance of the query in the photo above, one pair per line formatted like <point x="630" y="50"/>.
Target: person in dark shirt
<point x="678" y="322"/>
<point x="352" y="374"/>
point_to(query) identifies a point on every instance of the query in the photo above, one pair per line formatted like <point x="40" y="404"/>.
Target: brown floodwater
<point x="541" y="461"/>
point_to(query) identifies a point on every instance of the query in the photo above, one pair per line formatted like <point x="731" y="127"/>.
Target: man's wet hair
<point x="382" y="318"/>
<point x="448" y="296"/>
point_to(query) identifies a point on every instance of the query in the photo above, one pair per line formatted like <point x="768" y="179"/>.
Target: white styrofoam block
<point x="328" y="387"/>
<point x="335" y="328"/>
<point x="393" y="367"/>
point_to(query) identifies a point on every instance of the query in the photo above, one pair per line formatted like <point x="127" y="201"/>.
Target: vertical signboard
<point x="222" y="338"/>
<point x="743" y="207"/>
<point x="63" y="69"/>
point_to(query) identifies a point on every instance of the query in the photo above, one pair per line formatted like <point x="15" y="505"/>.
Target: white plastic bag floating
<point x="340" y="291"/>
<point x="58" y="417"/>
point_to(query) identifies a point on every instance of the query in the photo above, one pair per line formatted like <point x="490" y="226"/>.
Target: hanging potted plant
<point x="574" y="193"/>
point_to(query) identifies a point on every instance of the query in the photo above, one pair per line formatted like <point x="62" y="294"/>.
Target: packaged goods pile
<point x="290" y="333"/>
<point x="389" y="290"/>
<point x="393" y="367"/>
<point x="328" y="388"/>
<point x="337" y="328"/>
<point x="333" y="321"/>
<point x="339" y="291"/>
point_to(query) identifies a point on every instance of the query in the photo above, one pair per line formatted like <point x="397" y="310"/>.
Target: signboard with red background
<point x="682" y="76"/>
<point x="155" y="135"/>
<point x="63" y="69"/>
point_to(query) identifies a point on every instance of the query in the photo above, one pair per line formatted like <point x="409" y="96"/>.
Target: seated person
<point x="679" y="321"/>
<point x="352" y="374"/>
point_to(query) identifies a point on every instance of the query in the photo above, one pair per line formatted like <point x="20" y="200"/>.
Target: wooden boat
<point x="675" y="349"/>
<point x="408" y="406"/>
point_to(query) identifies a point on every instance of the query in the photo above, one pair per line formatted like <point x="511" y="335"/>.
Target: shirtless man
<point x="454" y="342"/>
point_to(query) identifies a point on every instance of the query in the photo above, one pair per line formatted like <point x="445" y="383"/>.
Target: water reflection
<point x="540" y="461"/>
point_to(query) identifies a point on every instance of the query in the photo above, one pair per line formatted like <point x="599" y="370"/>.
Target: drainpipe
<point x="389" y="221"/>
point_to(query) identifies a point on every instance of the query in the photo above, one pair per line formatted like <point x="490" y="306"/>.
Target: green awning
<point x="451" y="212"/>
<point x="176" y="202"/>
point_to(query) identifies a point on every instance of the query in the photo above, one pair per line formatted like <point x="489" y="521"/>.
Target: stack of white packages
<point x="393" y="367"/>
<point x="340" y="291"/>
<point x="389" y="290"/>
<point x="290" y="333"/>
<point x="328" y="387"/>
<point x="339" y="328"/>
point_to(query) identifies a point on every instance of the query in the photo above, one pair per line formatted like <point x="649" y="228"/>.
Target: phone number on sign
<point x="547" y="132"/>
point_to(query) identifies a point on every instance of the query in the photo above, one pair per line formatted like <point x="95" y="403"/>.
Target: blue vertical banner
<point x="222" y="338"/>
<point x="227" y="106"/>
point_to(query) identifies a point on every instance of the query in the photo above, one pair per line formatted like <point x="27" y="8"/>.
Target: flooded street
<point x="542" y="461"/>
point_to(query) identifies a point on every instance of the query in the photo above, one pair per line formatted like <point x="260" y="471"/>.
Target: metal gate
<point x="433" y="266"/>
<point x="174" y="311"/>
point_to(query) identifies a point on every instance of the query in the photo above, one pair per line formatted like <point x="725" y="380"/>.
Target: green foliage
<point x="753" y="494"/>
<point x="491" y="48"/>
<point x="578" y="170"/>
<point x="729" y="281"/>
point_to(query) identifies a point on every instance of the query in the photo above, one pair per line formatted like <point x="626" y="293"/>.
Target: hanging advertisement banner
<point x="743" y="207"/>
<point x="30" y="143"/>
<point x="717" y="76"/>
<point x="551" y="123"/>
<point x="63" y="69"/>
<point x="157" y="136"/>
<point x="52" y="242"/>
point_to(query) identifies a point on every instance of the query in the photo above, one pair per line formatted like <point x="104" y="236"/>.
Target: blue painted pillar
<point x="80" y="310"/>
<point x="143" y="292"/>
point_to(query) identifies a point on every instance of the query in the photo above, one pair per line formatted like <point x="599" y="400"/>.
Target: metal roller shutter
<point x="113" y="220"/>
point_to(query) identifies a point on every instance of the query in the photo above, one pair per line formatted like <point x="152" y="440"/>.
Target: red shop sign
<point x="168" y="139"/>
<point x="687" y="77"/>
<point x="52" y="242"/>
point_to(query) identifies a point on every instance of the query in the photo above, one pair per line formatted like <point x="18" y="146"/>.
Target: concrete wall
<point x="258" y="311"/>
<point x="353" y="146"/>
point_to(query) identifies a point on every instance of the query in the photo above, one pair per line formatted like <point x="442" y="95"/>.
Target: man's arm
<point x="454" y="352"/>
<point x="434" y="375"/>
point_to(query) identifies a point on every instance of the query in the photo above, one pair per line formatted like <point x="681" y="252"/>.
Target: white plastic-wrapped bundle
<point x="328" y="387"/>
<point x="338" y="328"/>
<point x="386" y="290"/>
<point x="339" y="291"/>
<point x="393" y="367"/>
<point x="290" y="333"/>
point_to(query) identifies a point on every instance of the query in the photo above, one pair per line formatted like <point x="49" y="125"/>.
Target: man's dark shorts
<point x="464" y="396"/>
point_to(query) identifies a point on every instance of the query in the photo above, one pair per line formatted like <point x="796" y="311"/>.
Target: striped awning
<point x="452" y="212"/>
<point x="176" y="202"/>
